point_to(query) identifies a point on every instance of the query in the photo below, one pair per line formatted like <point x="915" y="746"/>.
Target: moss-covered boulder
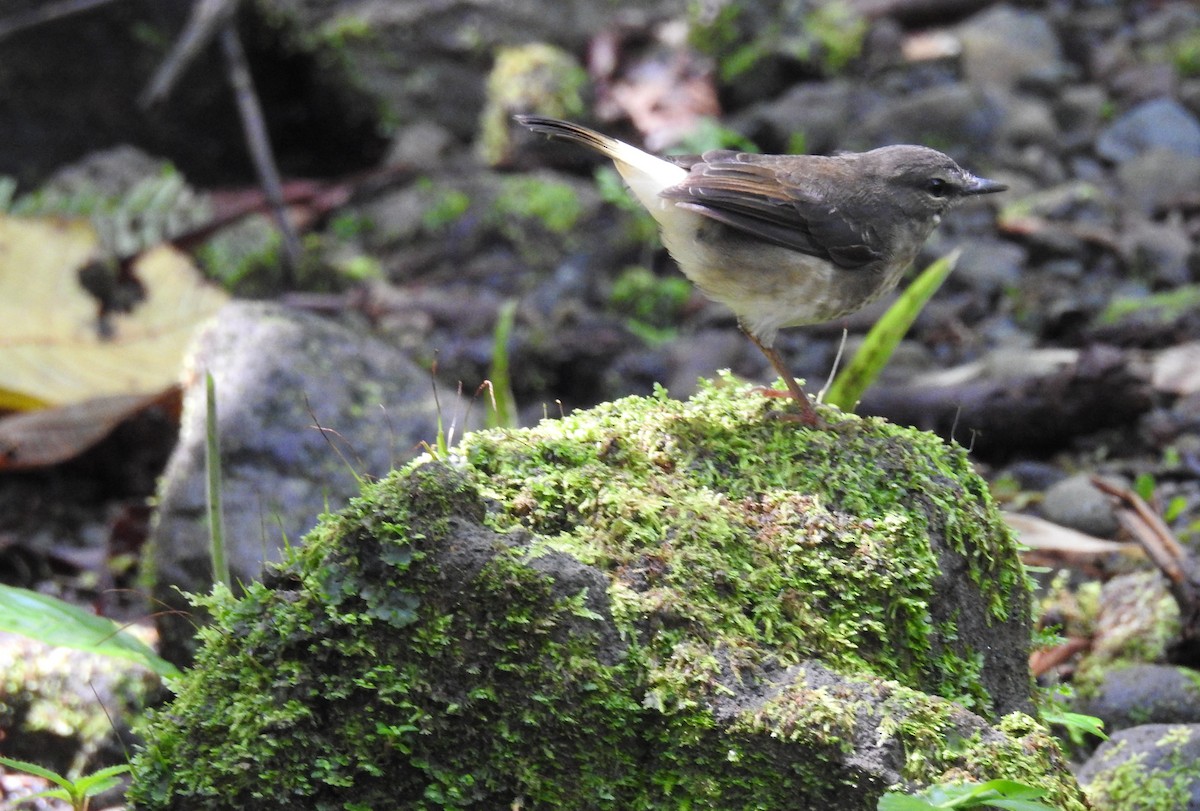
<point x="654" y="604"/>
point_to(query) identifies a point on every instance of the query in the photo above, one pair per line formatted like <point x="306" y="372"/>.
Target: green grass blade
<point x="50" y="620"/>
<point x="212" y="461"/>
<point x="505" y="413"/>
<point x="881" y="341"/>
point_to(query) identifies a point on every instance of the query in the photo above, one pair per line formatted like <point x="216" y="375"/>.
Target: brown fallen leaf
<point x="1043" y="660"/>
<point x="54" y="435"/>
<point x="1047" y="536"/>
<point x="660" y="83"/>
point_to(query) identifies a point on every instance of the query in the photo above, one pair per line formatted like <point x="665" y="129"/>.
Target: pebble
<point x="1161" y="123"/>
<point x="1074" y="502"/>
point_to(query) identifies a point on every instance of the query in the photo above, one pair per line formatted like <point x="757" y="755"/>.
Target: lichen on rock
<point x="652" y="604"/>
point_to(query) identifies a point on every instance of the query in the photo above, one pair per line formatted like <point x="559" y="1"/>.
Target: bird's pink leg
<point x="808" y="415"/>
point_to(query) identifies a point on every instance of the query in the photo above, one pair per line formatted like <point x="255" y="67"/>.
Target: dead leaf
<point x="1046" y="536"/>
<point x="664" y="86"/>
<point x="54" y="435"/>
<point x="52" y="347"/>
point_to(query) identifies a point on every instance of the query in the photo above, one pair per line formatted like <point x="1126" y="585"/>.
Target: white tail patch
<point x="645" y="174"/>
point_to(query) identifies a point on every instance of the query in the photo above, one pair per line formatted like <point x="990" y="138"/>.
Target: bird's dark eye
<point x="937" y="187"/>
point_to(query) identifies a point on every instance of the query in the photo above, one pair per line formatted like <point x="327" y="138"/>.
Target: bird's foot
<point x="808" y="415"/>
<point x="767" y="391"/>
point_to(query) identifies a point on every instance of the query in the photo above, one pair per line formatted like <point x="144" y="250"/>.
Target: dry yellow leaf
<point x="51" y="349"/>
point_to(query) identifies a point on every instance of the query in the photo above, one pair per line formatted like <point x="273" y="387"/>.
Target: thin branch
<point x="255" y="128"/>
<point x="45" y="13"/>
<point x="1137" y="518"/>
<point x="206" y="19"/>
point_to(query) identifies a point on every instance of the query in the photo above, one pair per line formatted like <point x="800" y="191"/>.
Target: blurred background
<point x="326" y="205"/>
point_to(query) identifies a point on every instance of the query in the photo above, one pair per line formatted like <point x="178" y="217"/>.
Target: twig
<point x="202" y="26"/>
<point x="255" y="128"/>
<point x="214" y="18"/>
<point x="46" y="13"/>
<point x="1137" y="518"/>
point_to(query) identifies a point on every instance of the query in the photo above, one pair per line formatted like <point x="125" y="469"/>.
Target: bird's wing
<point x="734" y="189"/>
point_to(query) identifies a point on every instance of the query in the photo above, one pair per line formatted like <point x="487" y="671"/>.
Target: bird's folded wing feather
<point x="725" y="186"/>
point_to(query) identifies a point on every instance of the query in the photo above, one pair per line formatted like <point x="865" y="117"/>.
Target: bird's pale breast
<point x="767" y="286"/>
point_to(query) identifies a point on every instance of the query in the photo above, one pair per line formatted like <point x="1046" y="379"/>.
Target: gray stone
<point x="821" y="113"/>
<point x="306" y="410"/>
<point x="1124" y="697"/>
<point x="1158" y="252"/>
<point x="1160" y="123"/>
<point x="1028" y="121"/>
<point x="1157" y="759"/>
<point x="990" y="265"/>
<point x="1076" y="503"/>
<point x="955" y="118"/>
<point x="1005" y="46"/>
<point x="1158" y="179"/>
<point x="626" y="604"/>
<point x="1079" y="111"/>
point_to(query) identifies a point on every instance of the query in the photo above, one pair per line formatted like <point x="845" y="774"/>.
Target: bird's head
<point x="923" y="182"/>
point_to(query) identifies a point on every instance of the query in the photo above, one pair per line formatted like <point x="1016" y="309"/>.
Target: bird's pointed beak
<point x="981" y="185"/>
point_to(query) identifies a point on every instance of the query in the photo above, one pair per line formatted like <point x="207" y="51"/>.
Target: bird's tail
<point x="646" y="174"/>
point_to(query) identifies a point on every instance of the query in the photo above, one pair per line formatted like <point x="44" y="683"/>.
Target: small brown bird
<point x="787" y="240"/>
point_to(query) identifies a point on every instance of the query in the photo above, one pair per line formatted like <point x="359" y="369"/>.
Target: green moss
<point x="555" y="205"/>
<point x="566" y="617"/>
<point x="1156" y="308"/>
<point x="840" y="31"/>
<point x="339" y="31"/>
<point x="351" y="666"/>
<point x="751" y="530"/>
<point x="827" y="36"/>
<point x="528" y="78"/>
<point x="57" y="704"/>
<point x="1185" y="54"/>
<point x="1136" y="785"/>
<point x="1140" y="622"/>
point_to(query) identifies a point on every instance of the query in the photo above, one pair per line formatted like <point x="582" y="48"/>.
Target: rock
<point x="421" y="143"/>
<point x="1161" y="123"/>
<point x="655" y="603"/>
<point x="68" y="710"/>
<point x="1029" y="121"/>
<point x="1006" y="46"/>
<point x="990" y="265"/>
<point x="1151" y="766"/>
<point x="1143" y="694"/>
<point x="306" y="410"/>
<point x="1158" y="180"/>
<point x="1079" y="111"/>
<point x="700" y="355"/>
<point x="957" y="118"/>
<point x="1189" y="94"/>
<point x="527" y="78"/>
<point x="428" y="59"/>
<point x="1159" y="252"/>
<point x="1137" y="622"/>
<point x="820" y="113"/>
<point x="1031" y="474"/>
<point x="1076" y="503"/>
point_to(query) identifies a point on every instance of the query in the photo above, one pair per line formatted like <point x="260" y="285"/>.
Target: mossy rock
<point x="654" y="604"/>
<point x="1155" y="767"/>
